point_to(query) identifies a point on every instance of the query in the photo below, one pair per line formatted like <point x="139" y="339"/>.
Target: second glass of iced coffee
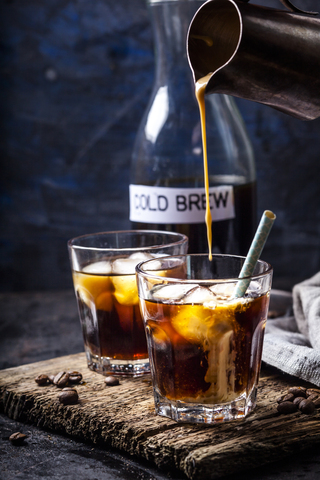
<point x="103" y="270"/>
<point x="205" y="344"/>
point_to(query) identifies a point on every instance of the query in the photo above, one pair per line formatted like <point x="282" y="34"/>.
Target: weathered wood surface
<point x="123" y="417"/>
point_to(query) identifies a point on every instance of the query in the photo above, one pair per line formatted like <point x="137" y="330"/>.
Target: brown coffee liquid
<point x="110" y="328"/>
<point x="183" y="362"/>
<point x="109" y="338"/>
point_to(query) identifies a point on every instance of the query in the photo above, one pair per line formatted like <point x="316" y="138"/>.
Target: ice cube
<point x="158" y="255"/>
<point x="125" y="289"/>
<point x="172" y="292"/>
<point x="254" y="287"/>
<point x="127" y="266"/>
<point x="223" y="291"/>
<point x="155" y="266"/>
<point x="124" y="266"/>
<point x="124" y="282"/>
<point x="94" y="289"/>
<point x="163" y="267"/>
<point x="202" y="323"/>
<point x="102" y="267"/>
<point x="141" y="256"/>
<point x="199" y="296"/>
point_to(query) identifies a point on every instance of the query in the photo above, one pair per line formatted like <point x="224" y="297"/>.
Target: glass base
<point x="202" y="413"/>
<point x="110" y="366"/>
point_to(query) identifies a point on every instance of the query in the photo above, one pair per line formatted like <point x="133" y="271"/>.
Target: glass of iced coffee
<point x="103" y="270"/>
<point x="204" y="344"/>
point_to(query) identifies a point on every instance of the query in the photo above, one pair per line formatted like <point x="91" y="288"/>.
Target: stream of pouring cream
<point x="200" y="90"/>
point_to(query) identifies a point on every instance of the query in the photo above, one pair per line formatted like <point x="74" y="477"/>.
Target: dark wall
<point x="75" y="79"/>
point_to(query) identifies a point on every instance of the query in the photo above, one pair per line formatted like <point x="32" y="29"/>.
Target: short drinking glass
<point x="204" y="345"/>
<point x="103" y="270"/>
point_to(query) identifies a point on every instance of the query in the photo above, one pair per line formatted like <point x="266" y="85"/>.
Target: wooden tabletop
<point x="43" y="328"/>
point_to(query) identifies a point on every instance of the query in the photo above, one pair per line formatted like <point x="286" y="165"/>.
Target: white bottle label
<point x="179" y="205"/>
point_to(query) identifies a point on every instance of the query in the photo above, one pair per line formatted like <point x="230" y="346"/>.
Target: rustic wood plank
<point x="123" y="417"/>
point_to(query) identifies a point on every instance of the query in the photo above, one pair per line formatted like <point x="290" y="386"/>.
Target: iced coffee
<point x="106" y="291"/>
<point x="205" y="345"/>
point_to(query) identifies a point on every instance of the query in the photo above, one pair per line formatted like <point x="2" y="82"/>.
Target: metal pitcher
<point x="258" y="53"/>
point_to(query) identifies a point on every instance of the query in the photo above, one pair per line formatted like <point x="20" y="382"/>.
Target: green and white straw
<point x="254" y="253"/>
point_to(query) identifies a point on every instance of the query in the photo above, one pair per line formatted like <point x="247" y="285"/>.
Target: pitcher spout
<point x="258" y="53"/>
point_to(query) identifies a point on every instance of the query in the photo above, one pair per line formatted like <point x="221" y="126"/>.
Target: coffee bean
<point x="313" y="397"/>
<point x="289" y="397"/>
<point x="297" y="400"/>
<point x="61" y="379"/>
<point x="311" y="391"/>
<point x="287" y="407"/>
<point x="298" y="391"/>
<point x="17" y="438"/>
<point x="316" y="402"/>
<point x="307" y="407"/>
<point x="75" y="377"/>
<point x="42" y="379"/>
<point x="51" y="378"/>
<point x="280" y="399"/>
<point x="68" y="396"/>
<point x="111" y="381"/>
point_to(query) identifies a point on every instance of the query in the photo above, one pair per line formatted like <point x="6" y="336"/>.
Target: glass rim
<point x="153" y="276"/>
<point x="182" y="239"/>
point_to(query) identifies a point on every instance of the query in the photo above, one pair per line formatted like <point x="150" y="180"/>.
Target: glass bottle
<point x="167" y="179"/>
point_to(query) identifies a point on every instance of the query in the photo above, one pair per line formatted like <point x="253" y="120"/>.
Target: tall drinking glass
<point x="204" y="345"/>
<point x="103" y="270"/>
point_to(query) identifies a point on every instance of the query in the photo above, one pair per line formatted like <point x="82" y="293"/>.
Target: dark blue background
<point x="75" y="79"/>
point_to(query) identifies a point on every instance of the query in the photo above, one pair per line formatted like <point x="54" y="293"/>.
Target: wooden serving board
<point x="123" y="417"/>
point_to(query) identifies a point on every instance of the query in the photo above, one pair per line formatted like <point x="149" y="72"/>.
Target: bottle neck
<point x="170" y="22"/>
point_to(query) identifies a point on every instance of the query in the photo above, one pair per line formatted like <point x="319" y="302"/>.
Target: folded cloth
<point x="292" y="342"/>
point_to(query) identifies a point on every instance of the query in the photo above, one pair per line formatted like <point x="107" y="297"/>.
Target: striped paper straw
<point x="254" y="253"/>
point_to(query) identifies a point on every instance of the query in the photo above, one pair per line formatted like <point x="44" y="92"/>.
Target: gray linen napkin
<point x="292" y="342"/>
